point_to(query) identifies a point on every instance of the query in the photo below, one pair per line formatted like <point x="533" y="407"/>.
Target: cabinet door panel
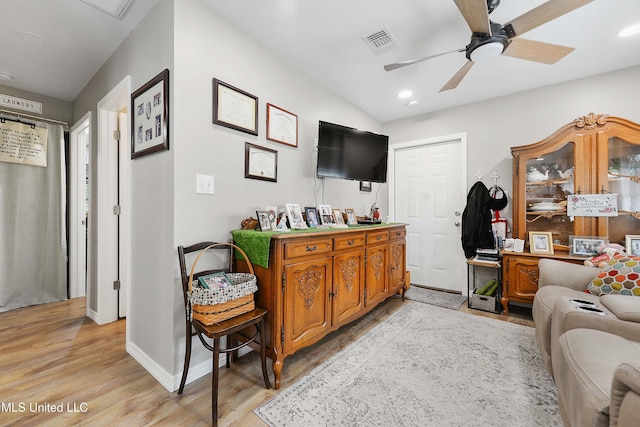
<point x="307" y="307"/>
<point x="348" y="286"/>
<point x="522" y="279"/>
<point x="397" y="265"/>
<point x="376" y="280"/>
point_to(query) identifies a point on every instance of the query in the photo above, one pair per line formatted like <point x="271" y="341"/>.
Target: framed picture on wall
<point x="234" y="108"/>
<point x="365" y="186"/>
<point x="150" y="116"/>
<point x="282" y="126"/>
<point x="260" y="162"/>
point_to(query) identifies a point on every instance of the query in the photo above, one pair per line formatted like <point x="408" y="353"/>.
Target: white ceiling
<point x="324" y="38"/>
<point x="64" y="43"/>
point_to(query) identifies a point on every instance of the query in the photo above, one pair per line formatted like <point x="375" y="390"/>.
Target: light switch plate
<point x="204" y="184"/>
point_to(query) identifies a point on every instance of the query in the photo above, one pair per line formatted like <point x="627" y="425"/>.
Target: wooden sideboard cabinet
<point x="317" y="281"/>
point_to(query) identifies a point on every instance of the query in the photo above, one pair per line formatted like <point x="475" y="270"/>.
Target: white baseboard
<point x="92" y="315"/>
<point x="172" y="382"/>
<point x="156" y="371"/>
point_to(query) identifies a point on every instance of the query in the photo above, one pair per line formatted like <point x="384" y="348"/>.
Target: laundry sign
<point x="20" y="104"/>
<point x="592" y="205"/>
<point x="23" y="143"/>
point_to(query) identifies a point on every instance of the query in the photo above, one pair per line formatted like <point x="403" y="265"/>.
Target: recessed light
<point x="412" y="103"/>
<point x="5" y="76"/>
<point x="630" y="31"/>
<point x="405" y="94"/>
<point x="33" y="38"/>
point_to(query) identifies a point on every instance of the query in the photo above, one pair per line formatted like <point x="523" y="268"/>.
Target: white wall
<point x="146" y="51"/>
<point x="207" y="46"/>
<point x="495" y="125"/>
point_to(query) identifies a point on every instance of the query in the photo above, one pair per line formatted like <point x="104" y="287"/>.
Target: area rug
<point x="439" y="298"/>
<point x="425" y="366"/>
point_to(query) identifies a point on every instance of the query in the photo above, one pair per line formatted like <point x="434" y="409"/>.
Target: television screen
<point x="349" y="153"/>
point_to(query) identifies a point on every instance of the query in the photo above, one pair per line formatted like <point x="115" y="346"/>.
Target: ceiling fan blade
<point x="397" y="65"/>
<point x="532" y="50"/>
<point x="457" y="77"/>
<point x="541" y="15"/>
<point x="476" y="14"/>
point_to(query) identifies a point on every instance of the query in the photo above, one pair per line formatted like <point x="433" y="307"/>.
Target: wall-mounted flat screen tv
<point x="349" y="153"/>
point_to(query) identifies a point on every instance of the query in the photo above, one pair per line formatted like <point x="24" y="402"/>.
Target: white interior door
<point x="79" y="207"/>
<point x="429" y="194"/>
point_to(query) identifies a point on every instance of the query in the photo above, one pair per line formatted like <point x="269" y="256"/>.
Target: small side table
<point x="481" y="302"/>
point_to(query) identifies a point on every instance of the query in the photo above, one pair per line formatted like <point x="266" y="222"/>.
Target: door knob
<point x="457" y="223"/>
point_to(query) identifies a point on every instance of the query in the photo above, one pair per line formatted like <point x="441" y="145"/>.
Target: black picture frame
<point x="260" y="163"/>
<point x="311" y="215"/>
<point x="150" y="117"/>
<point x="234" y="108"/>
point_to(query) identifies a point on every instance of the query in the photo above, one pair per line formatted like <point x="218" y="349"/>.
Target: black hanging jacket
<point x="476" y="221"/>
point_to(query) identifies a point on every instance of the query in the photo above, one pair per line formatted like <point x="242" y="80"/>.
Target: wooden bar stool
<point x="226" y="328"/>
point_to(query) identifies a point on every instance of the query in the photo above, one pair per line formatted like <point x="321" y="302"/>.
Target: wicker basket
<point x="210" y="306"/>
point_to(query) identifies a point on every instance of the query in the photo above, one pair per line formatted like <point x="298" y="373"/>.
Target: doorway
<point x="79" y="155"/>
<point x="428" y="193"/>
<point x="113" y="223"/>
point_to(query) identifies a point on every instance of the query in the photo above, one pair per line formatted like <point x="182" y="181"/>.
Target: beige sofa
<point x="591" y="346"/>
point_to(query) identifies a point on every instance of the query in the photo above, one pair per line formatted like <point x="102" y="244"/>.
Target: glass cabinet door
<point x="624" y="180"/>
<point x="549" y="179"/>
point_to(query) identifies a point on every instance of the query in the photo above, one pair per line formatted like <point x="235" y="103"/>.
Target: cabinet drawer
<point x="320" y="246"/>
<point x="348" y="242"/>
<point x="399" y="233"/>
<point x="377" y="237"/>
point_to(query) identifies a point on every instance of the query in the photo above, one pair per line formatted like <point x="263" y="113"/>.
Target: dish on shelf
<point x="545" y="207"/>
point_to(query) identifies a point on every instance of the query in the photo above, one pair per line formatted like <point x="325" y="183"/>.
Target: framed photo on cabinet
<point x="540" y="242"/>
<point x="584" y="245"/>
<point x="150" y="116"/>
<point x="632" y="244"/>
<point x="234" y="108"/>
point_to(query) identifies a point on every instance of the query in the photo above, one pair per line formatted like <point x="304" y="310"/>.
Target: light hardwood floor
<point x="53" y="355"/>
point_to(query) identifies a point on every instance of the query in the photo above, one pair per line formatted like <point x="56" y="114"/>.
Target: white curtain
<point x="33" y="244"/>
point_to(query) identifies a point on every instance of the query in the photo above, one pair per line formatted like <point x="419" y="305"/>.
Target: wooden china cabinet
<point x="594" y="154"/>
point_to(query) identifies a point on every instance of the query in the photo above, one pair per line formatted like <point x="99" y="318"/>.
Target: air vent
<point x="380" y="41"/>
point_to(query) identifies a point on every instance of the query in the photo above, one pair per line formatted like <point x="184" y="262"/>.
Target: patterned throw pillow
<point x="621" y="276"/>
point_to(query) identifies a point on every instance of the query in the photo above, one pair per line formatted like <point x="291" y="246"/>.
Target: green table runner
<point x="256" y="244"/>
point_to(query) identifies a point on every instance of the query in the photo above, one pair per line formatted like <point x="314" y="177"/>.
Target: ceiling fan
<point x="490" y="39"/>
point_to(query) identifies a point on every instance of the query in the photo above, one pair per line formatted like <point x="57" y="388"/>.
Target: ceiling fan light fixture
<point x="630" y="31"/>
<point x="487" y="51"/>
